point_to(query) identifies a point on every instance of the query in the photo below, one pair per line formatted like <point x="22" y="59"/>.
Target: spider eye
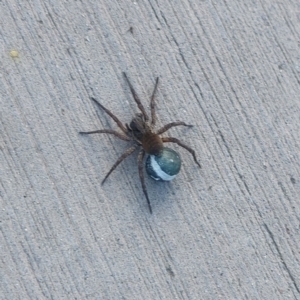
<point x="164" y="166"/>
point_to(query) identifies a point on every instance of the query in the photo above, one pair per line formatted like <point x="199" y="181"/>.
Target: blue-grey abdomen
<point x="164" y="166"/>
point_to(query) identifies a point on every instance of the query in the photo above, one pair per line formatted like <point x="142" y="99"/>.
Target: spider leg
<point x="178" y="142"/>
<point x="120" y="159"/>
<point x="136" y="98"/>
<point x="170" y="125"/>
<point x="119" y="123"/>
<point x="152" y="103"/>
<point x="109" y="131"/>
<point x="142" y="177"/>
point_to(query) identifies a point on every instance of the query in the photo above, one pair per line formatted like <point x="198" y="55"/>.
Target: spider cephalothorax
<point x="162" y="163"/>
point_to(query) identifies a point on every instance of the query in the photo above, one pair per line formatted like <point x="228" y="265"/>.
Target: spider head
<point x="139" y="126"/>
<point x="138" y="123"/>
<point x="142" y="131"/>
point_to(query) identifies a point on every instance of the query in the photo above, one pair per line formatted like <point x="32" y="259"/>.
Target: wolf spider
<point x="141" y="132"/>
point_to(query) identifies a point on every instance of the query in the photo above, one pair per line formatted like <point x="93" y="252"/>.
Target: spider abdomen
<point x="164" y="166"/>
<point x="152" y="143"/>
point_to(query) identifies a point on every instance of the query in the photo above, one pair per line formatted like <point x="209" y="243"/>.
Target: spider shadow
<point x="161" y="193"/>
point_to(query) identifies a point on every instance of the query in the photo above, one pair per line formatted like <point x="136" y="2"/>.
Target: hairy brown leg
<point x="152" y="104"/>
<point x="136" y="98"/>
<point x="120" y="159"/>
<point x="119" y="123"/>
<point x="142" y="176"/>
<point x="170" y="125"/>
<point x="109" y="131"/>
<point x="178" y="142"/>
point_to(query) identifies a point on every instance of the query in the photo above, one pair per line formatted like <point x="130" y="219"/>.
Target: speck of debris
<point x="170" y="271"/>
<point x="14" y="54"/>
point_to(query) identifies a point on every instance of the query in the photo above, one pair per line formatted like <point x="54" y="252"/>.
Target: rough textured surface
<point x="227" y="231"/>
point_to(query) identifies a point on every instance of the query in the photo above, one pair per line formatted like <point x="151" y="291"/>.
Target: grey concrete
<point x="230" y="230"/>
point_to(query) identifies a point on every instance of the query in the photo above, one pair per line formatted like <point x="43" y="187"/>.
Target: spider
<point x="162" y="163"/>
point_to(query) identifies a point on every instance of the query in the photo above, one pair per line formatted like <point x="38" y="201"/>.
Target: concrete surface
<point x="230" y="230"/>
